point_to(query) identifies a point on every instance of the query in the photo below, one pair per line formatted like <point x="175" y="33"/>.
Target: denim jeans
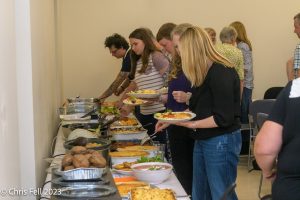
<point x="245" y="102"/>
<point x="215" y="163"/>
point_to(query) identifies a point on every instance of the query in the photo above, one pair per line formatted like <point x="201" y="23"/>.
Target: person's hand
<point x="119" y="104"/>
<point x="159" y="126"/>
<point x="270" y="176"/>
<point x="180" y="96"/>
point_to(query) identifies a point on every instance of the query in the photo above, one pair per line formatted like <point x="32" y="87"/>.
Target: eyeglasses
<point x="113" y="51"/>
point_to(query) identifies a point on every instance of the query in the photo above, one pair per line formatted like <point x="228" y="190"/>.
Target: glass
<point x="160" y="151"/>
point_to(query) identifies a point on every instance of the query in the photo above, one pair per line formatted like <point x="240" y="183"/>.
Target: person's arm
<point x="131" y="87"/>
<point x="223" y="102"/>
<point x="268" y="141"/>
<point x="267" y="145"/>
<point x="160" y="62"/>
<point x="290" y="72"/>
<point x="113" y="87"/>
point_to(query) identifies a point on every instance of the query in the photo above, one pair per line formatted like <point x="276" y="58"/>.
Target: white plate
<point x="119" y="160"/>
<point x="124" y="172"/>
<point x="142" y="95"/>
<point x="175" y="120"/>
<point x="137" y="103"/>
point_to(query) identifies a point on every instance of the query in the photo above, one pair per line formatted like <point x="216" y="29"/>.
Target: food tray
<point x="129" y="136"/>
<point x="88" y="191"/>
<point x="61" y="182"/>
<point x="117" y="124"/>
<point x="81" y="173"/>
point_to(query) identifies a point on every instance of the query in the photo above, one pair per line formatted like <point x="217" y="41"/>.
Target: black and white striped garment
<point x="151" y="79"/>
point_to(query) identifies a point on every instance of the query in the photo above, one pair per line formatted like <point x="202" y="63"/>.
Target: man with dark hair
<point x="163" y="37"/>
<point x="119" y="48"/>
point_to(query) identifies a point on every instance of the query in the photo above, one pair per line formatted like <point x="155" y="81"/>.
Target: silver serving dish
<point x="81" y="173"/>
<point x="60" y="182"/>
<point x="85" y="100"/>
<point x="89" y="191"/>
<point x="76" y="108"/>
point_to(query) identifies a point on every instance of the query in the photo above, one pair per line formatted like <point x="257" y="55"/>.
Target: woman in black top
<point x="216" y="102"/>
<point x="279" y="139"/>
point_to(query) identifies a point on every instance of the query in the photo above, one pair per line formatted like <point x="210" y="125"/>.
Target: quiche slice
<point x="125" y="187"/>
<point x="152" y="193"/>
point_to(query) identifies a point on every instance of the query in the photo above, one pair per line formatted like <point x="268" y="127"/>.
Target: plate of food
<point x="126" y="122"/>
<point x="126" y="156"/>
<point x="133" y="101"/>
<point x="174" y="116"/>
<point x="124" y="168"/>
<point x="163" y="90"/>
<point x="147" y="93"/>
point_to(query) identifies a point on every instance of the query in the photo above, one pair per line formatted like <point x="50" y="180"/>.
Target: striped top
<point x="151" y="79"/>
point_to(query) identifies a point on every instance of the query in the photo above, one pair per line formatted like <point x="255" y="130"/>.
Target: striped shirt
<point x="151" y="79"/>
<point x="297" y="57"/>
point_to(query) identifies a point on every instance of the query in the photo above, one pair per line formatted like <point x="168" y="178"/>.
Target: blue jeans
<point x="245" y="102"/>
<point x="215" y="163"/>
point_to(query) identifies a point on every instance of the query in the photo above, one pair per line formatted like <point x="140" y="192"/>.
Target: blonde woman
<point x="244" y="44"/>
<point x="216" y="101"/>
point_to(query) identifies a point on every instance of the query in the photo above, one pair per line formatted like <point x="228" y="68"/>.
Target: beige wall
<point x="88" y="68"/>
<point x="46" y="81"/>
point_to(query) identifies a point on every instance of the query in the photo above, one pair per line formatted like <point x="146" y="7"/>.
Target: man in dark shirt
<point x="277" y="145"/>
<point x="119" y="48"/>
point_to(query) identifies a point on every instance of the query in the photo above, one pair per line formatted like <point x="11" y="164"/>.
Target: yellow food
<point x="138" y="148"/>
<point x="128" y="153"/>
<point x="150" y="194"/>
<point x="92" y="145"/>
<point x="147" y="91"/>
<point x="173" y="115"/>
<point x="125" y="188"/>
<point x="124" y="166"/>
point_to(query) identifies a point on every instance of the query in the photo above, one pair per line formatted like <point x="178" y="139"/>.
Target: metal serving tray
<point x="88" y="191"/>
<point x="60" y="182"/>
<point x="81" y="173"/>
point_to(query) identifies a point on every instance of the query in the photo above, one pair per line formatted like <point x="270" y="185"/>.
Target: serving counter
<point x="171" y="183"/>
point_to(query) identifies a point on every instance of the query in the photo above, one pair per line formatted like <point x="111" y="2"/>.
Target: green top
<point x="234" y="55"/>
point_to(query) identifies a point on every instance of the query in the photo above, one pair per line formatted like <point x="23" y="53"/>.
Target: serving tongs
<point x="89" y="113"/>
<point x="148" y="137"/>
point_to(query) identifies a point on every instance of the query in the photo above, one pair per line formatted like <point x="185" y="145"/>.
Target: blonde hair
<point x="195" y="50"/>
<point x="176" y="60"/>
<point x="241" y="33"/>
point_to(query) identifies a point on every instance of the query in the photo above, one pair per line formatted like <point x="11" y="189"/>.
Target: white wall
<point x="30" y="92"/>
<point x="88" y="67"/>
<point x="9" y="140"/>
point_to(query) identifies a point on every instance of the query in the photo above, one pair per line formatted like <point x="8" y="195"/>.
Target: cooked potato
<point x="69" y="167"/>
<point x="67" y="160"/>
<point x="97" y="160"/>
<point x="79" y="160"/>
<point x="78" y="150"/>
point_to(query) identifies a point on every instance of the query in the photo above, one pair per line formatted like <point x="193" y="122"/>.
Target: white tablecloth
<point x="171" y="183"/>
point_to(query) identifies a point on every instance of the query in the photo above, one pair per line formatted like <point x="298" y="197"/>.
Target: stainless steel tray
<point x="60" y="182"/>
<point x="89" y="191"/>
<point x="81" y="173"/>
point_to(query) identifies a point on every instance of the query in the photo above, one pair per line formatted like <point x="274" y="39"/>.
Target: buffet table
<point x="171" y="183"/>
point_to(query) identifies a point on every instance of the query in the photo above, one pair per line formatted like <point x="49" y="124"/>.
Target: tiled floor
<point x="248" y="182"/>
